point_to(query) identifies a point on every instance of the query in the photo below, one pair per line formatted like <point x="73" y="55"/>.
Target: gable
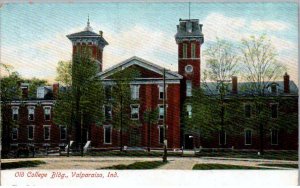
<point x="146" y="69"/>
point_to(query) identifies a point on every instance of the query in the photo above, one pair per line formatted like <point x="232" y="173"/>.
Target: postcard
<point x="149" y="93"/>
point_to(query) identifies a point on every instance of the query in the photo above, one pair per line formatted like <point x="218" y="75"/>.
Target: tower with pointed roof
<point x="93" y="42"/>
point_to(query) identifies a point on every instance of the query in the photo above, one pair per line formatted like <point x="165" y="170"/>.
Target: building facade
<point x="34" y="117"/>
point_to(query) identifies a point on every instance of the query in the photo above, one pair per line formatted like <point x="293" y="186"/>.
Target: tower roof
<point x="189" y="29"/>
<point x="88" y="33"/>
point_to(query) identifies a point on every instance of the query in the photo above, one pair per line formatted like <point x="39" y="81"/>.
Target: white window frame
<point x="161" y="90"/>
<point x="15" y="109"/>
<point x="276" y="136"/>
<point x="159" y="107"/>
<point x="189" y="90"/>
<point x="246" y="137"/>
<point x="138" y="107"/>
<point x="271" y="104"/>
<point x="135" y="92"/>
<point x="33" y="130"/>
<point x="66" y="134"/>
<point x="104" y="135"/>
<point x="17" y="133"/>
<point x="159" y="133"/>
<point x="184" y="50"/>
<point x="189" y="110"/>
<point x="49" y="127"/>
<point x="193" y="50"/>
<point x="225" y="140"/>
<point x="47" y="107"/>
<point x="31" y="108"/>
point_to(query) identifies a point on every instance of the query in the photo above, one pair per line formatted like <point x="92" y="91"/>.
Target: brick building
<point x="34" y="116"/>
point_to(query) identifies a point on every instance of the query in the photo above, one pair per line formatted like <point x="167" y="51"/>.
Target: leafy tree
<point x="221" y="66"/>
<point x="10" y="91"/>
<point x="260" y="68"/>
<point x="83" y="98"/>
<point x="150" y="117"/>
<point x="121" y="100"/>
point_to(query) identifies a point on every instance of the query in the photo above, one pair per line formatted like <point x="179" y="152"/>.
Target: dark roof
<point x="87" y="33"/>
<point x="210" y="88"/>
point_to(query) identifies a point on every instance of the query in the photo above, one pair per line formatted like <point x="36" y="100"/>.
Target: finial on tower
<point x="88" y="27"/>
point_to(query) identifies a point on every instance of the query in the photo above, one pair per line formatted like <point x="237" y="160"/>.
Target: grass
<point x="275" y="155"/>
<point x="21" y="164"/>
<point x="138" y="165"/>
<point x="213" y="166"/>
<point x="285" y="165"/>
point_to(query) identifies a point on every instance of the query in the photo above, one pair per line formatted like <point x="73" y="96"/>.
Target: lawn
<point x="284" y="165"/>
<point x="275" y="155"/>
<point x="138" y="166"/>
<point x="213" y="166"/>
<point x="21" y="164"/>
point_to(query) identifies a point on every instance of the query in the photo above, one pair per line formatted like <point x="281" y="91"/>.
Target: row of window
<point x="31" y="113"/>
<point x="135" y="91"/>
<point x="248" y="110"/>
<point x="248" y="137"/>
<point x="193" y="50"/>
<point x="135" y="109"/>
<point x="273" y="107"/>
<point x="30" y="132"/>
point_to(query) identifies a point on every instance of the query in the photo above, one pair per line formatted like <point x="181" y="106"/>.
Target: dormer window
<point x="274" y="88"/>
<point x="40" y="92"/>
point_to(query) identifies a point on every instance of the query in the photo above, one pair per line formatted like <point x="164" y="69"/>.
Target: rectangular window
<point x="30" y="132"/>
<point x="274" y="110"/>
<point x="15" y="133"/>
<point x="274" y="137"/>
<point x="161" y="112"/>
<point x="47" y="113"/>
<point x="222" y="137"/>
<point x="188" y="88"/>
<point x="189" y="110"/>
<point x="248" y="137"/>
<point x="248" y="110"/>
<point x="108" y="92"/>
<point x="108" y="112"/>
<point x="161" y="92"/>
<point x="135" y="92"/>
<point x="161" y="134"/>
<point x="184" y="51"/>
<point x="107" y="134"/>
<point x="135" y="111"/>
<point x="193" y="50"/>
<point x="31" y="113"/>
<point x="63" y="133"/>
<point x="47" y="132"/>
<point x="15" y="113"/>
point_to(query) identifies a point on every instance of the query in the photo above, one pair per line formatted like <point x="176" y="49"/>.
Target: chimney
<point x="55" y="89"/>
<point x="25" y="90"/>
<point x="101" y="33"/>
<point x="286" y="82"/>
<point x="234" y="85"/>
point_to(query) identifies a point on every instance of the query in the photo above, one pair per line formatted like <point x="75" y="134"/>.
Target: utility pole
<point x="164" y="120"/>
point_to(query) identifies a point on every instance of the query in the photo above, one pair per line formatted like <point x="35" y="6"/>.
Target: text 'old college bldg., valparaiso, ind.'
<point x="34" y="116"/>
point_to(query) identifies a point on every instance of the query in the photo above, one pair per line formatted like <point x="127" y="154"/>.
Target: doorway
<point x="188" y="141"/>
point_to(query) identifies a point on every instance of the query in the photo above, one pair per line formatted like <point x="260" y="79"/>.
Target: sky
<point x="33" y="36"/>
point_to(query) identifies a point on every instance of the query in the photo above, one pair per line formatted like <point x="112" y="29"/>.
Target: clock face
<point x="188" y="68"/>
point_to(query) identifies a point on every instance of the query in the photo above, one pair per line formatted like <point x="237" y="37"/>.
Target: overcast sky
<point x="33" y="36"/>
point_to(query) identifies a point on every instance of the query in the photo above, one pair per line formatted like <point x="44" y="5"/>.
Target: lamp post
<point x="164" y="120"/>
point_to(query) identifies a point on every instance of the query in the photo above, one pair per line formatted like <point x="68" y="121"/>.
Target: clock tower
<point x="189" y="38"/>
